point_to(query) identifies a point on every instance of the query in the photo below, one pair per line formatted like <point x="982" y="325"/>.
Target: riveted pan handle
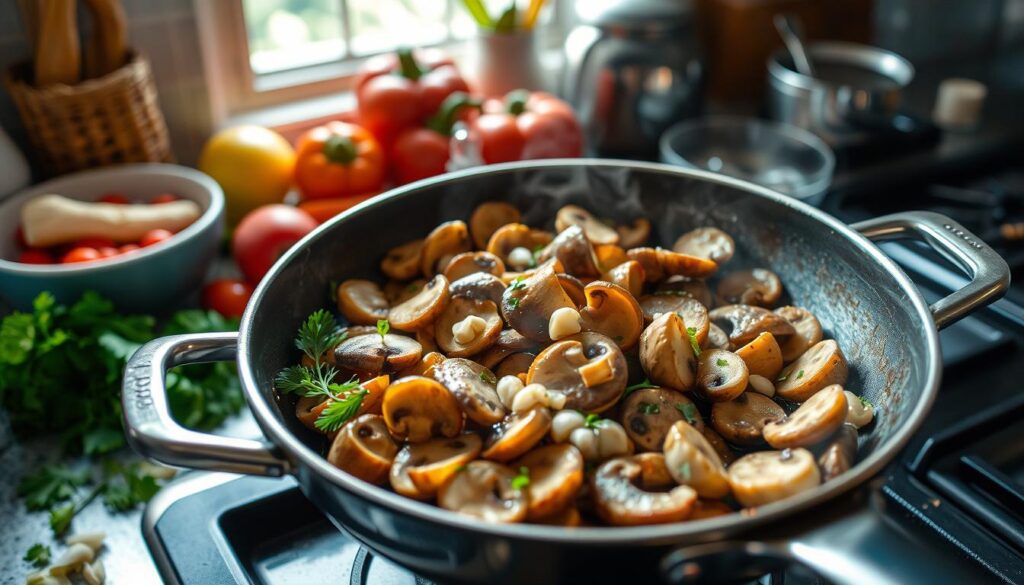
<point x="990" y="276"/>
<point x="153" y="433"/>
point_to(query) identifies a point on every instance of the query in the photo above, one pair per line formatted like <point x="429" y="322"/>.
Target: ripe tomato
<point x="35" y="256"/>
<point x="154" y="237"/>
<point x="124" y="249"/>
<point x="263" y="235"/>
<point x="115" y="198"/>
<point x="108" y="251"/>
<point x="19" y="237"/>
<point x="227" y="296"/>
<point x="163" y="198"/>
<point x="80" y="254"/>
<point x="95" y="243"/>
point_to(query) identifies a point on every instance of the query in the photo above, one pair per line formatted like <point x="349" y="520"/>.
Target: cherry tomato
<point x="154" y="237"/>
<point x="35" y="256"/>
<point x="419" y="153"/>
<point x="80" y="254"/>
<point x="114" y="198"/>
<point x="263" y="235"/>
<point x="95" y="243"/>
<point x="108" y="251"/>
<point x="124" y="249"/>
<point x="163" y="198"/>
<point x="227" y="296"/>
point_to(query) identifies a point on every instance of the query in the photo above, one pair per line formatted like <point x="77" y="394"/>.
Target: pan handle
<point x="990" y="276"/>
<point x="153" y="433"/>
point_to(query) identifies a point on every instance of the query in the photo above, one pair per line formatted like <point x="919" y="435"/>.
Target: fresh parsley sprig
<point x="691" y="332"/>
<point x="521" y="480"/>
<point x="643" y="385"/>
<point x="38" y="554"/>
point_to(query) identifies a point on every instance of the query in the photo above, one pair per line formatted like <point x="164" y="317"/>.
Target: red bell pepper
<point x="528" y="126"/>
<point x="423" y="151"/>
<point x="397" y="91"/>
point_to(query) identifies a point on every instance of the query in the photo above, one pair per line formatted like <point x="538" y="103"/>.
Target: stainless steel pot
<point x="862" y="298"/>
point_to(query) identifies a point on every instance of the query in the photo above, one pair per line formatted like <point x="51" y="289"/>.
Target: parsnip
<point x="53" y="219"/>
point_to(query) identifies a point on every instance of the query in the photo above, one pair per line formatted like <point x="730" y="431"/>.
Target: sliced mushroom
<point x="705" y="509"/>
<point x="634" y="234"/>
<point x="480" y="286"/>
<point x="514" y="365"/>
<point x="527" y="304"/>
<point x="659" y="263"/>
<point x="741" y="421"/>
<point x="424" y="367"/>
<point x="448" y="240"/>
<point x="822" y="365"/>
<point x="425" y="337"/>
<point x="485" y="490"/>
<point x="574" y="251"/>
<point x="629" y="275"/>
<point x="648" y="414"/>
<point x="759" y="287"/>
<point x="762" y="356"/>
<point x="509" y="342"/>
<point x="666" y="353"/>
<point x="374" y="354"/>
<point x="397" y="292"/>
<point x="717" y="339"/>
<point x="309" y="408"/>
<point x="473" y="386"/>
<point x="638" y="489"/>
<point x="807" y="331"/>
<point x="556" y="474"/>
<point x="420" y="469"/>
<point x="516" y="235"/>
<point x="568" y="517"/>
<point x="721" y="375"/>
<point x="472" y="262"/>
<point x="695" y="288"/>
<point x="422" y="309"/>
<point x="459" y="309"/>
<point x="840" y="453"/>
<point x="812" y="423"/>
<point x="588" y="368"/>
<point x="517" y="434"/>
<point x="769" y="476"/>
<point x="694" y="314"/>
<point x="706" y="242"/>
<point x="692" y="461"/>
<point x="403" y="262"/>
<point x="613" y="312"/>
<point x="488" y="217"/>
<point x="363" y="448"/>
<point x="418" y="408"/>
<point x="596" y="230"/>
<point x="362" y="302"/>
<point x="573" y="287"/>
<point x="609" y="256"/>
<point x="725" y="452"/>
<point x="742" y="323"/>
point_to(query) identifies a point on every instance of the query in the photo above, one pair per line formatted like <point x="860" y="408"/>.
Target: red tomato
<point x="419" y="153"/>
<point x="163" y="198"/>
<point x="115" y="198"/>
<point x="35" y="256"/>
<point x="227" y="296"/>
<point x="95" y="243"/>
<point x="154" y="237"/>
<point x="500" y="138"/>
<point x="19" y="237"/>
<point x="108" y="251"/>
<point x="263" y="235"/>
<point x="80" y="254"/>
<point x="128" y="248"/>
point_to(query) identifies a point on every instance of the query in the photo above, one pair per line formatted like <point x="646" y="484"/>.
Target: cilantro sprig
<point x="38" y="554"/>
<point x="691" y="332"/>
<point x="522" y="479"/>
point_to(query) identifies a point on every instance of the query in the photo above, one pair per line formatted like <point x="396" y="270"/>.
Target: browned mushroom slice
<point x="634" y="234"/>
<point x="515" y="364"/>
<point x="741" y="421"/>
<point x="362" y="302"/>
<point x="840" y="453"/>
<point x="659" y="263"/>
<point x="574" y="251"/>
<point x="609" y="256"/>
<point x="422" y="309"/>
<point x="509" y="342"/>
<point x="808" y="332"/>
<point x="694" y="288"/>
<point x="480" y="286"/>
<point x="725" y="452"/>
<point x="473" y="386"/>
<point x="484" y="490"/>
<point x="403" y="262"/>
<point x="363" y="448"/>
<point x="466" y="327"/>
<point x="759" y="287"/>
<point x="769" y="476"/>
<point x="705" y="509"/>
<point x="421" y="469"/>
<point x="573" y="288"/>
<point x="517" y="434"/>
<point x="448" y="240"/>
<point x="527" y="304"/>
<point x="762" y="356"/>
<point x="742" y="323"/>
<point x="648" y="414"/>
<point x="629" y="275"/>
<point x="717" y="339"/>
<point x="418" y="408"/>
<point x="613" y="312"/>
<point x="666" y="353"/>
<point x="596" y="230"/>
<point x="488" y="217"/>
<point x="373" y="354"/>
<point x="588" y="368"/>
<point x="812" y="423"/>
<point x="425" y="337"/>
<point x="397" y="292"/>
<point x="424" y="367"/>
<point x="820" y="366"/>
<point x="721" y="375"/>
<point x="555" y="473"/>
<point x="694" y="314"/>
<point x="692" y="461"/>
<point x="472" y="262"/>
<point x="636" y="490"/>
<point x="706" y="242"/>
<point x="516" y="235"/>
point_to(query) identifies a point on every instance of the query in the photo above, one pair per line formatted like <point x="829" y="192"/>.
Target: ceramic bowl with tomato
<point x="148" y="279"/>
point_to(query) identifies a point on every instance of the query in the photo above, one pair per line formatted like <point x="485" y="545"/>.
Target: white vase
<point x="499" y="63"/>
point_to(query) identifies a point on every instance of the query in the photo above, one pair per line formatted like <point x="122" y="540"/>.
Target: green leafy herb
<point x="799" y="374"/>
<point x="648" y="408"/>
<point x="722" y="362"/>
<point x="383" y="327"/>
<point x="591" y="421"/>
<point x="332" y="291"/>
<point x="338" y="412"/>
<point x="49" y="485"/>
<point x="521" y="480"/>
<point x="646" y="383"/>
<point x="691" y="332"/>
<point x="127" y="486"/>
<point x="487" y="377"/>
<point x="61" y="516"/>
<point x="513" y="303"/>
<point x="672" y="293"/>
<point x="782" y="378"/>
<point x="538" y="250"/>
<point x="517" y="283"/>
<point x="865" y="402"/>
<point x="689" y="411"/>
<point x="684" y="471"/>
<point x="38" y="554"/>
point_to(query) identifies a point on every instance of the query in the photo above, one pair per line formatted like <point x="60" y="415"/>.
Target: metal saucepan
<point x="864" y="301"/>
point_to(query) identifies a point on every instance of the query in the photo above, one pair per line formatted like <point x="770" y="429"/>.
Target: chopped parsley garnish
<point x="513" y="303"/>
<point x="517" y="283"/>
<point x="689" y="411"/>
<point x="646" y="383"/>
<point x="487" y="377"/>
<point x="383" y="327"/>
<point x="591" y="421"/>
<point x="799" y="374"/>
<point x="721" y="362"/>
<point x="648" y="408"/>
<point x="38" y="554"/>
<point x="49" y="485"/>
<point x="522" y="480"/>
<point x="691" y="332"/>
<point x="684" y="471"/>
<point x="782" y="378"/>
<point x="865" y="402"/>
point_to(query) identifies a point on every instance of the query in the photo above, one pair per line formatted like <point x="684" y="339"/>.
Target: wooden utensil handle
<point x="57" y="55"/>
<point x="106" y="48"/>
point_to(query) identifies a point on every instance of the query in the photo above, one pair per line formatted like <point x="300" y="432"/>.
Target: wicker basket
<point x="103" y="121"/>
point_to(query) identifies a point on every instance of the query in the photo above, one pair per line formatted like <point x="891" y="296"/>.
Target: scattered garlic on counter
<point x="94" y="573"/>
<point x="858" y="412"/>
<point x="508" y="387"/>
<point x="73" y="558"/>
<point x="93" y="540"/>
<point x="761" y="385"/>
<point x="45" y="578"/>
<point x="468" y="329"/>
<point x="563" y="323"/>
<point x="520" y="258"/>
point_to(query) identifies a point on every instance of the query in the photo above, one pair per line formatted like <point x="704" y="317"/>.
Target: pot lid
<point x="634" y="13"/>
